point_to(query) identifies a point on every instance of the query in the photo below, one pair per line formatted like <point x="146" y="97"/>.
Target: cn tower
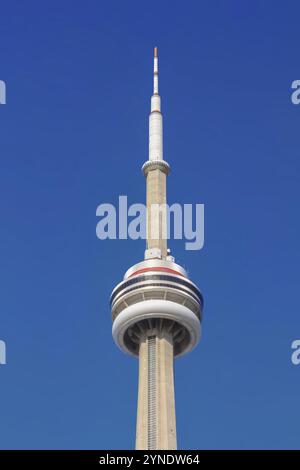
<point x="156" y="309"/>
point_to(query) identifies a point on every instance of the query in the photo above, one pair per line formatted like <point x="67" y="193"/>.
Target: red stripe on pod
<point x="157" y="268"/>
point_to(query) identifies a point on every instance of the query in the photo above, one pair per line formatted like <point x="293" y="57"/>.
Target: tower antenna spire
<point x="155" y="72"/>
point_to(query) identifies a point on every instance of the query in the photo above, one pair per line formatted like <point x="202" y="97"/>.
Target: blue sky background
<point x="73" y="135"/>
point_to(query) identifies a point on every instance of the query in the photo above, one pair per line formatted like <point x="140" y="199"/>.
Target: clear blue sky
<point x="74" y="135"/>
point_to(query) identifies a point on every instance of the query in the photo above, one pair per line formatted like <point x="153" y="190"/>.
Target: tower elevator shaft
<point x="156" y="422"/>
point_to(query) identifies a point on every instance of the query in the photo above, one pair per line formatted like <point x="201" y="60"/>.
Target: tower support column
<point x="156" y="422"/>
<point x="142" y="408"/>
<point x="156" y="211"/>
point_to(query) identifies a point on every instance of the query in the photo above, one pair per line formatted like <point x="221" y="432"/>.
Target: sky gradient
<point x="74" y="134"/>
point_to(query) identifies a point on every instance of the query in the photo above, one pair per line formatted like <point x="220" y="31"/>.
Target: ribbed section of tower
<point x="156" y="309"/>
<point x="156" y="424"/>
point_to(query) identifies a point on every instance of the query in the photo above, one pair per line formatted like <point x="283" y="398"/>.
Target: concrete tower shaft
<point x="156" y="424"/>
